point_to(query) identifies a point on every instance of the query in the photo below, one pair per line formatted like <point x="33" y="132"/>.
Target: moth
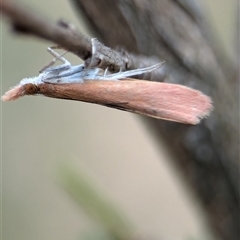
<point x="172" y="102"/>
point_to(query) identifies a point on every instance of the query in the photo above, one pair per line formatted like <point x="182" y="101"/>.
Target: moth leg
<point x="140" y="70"/>
<point x="126" y="74"/>
<point x="56" y="57"/>
<point x="105" y="72"/>
<point x="106" y="75"/>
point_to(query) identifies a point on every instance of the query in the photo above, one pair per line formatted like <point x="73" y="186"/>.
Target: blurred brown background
<point x="113" y="147"/>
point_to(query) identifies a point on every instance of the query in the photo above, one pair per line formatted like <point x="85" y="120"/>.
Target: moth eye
<point x="30" y="88"/>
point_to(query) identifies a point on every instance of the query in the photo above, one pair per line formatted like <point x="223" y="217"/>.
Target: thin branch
<point x="26" y="21"/>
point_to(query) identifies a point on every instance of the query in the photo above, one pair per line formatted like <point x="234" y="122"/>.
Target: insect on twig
<point x="171" y="102"/>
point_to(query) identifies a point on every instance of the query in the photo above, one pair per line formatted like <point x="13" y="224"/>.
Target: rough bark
<point x="176" y="32"/>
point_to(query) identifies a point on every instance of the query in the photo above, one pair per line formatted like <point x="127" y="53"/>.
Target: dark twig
<point x="28" y="22"/>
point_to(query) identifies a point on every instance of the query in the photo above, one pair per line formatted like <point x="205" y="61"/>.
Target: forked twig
<point x="26" y="21"/>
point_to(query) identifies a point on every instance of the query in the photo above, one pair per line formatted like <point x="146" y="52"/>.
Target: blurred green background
<point x="113" y="148"/>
